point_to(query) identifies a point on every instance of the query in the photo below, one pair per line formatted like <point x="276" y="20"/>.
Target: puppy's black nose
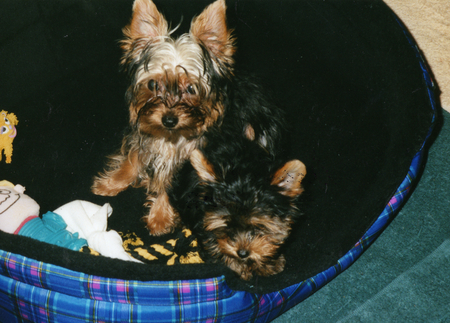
<point x="243" y="253"/>
<point x="169" y="121"/>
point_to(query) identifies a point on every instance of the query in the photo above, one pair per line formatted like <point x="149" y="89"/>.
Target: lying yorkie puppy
<point x="241" y="202"/>
<point x="180" y="89"/>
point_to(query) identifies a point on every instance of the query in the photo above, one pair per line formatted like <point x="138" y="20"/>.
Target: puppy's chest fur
<point x="161" y="159"/>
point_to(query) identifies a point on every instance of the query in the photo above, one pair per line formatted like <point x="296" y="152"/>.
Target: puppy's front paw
<point x="162" y="218"/>
<point x="107" y="187"/>
<point x="158" y="228"/>
<point x="122" y="171"/>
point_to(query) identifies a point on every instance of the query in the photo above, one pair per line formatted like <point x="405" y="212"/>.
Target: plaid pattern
<point x="62" y="280"/>
<point x="38" y="292"/>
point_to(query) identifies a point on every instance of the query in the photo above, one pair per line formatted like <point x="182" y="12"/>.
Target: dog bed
<point x="351" y="80"/>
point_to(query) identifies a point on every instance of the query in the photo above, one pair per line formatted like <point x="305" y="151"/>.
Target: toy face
<point x="7" y="123"/>
<point x="15" y="207"/>
<point x="8" y="132"/>
<point x="8" y="198"/>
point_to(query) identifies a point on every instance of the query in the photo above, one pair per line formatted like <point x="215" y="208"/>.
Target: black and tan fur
<point x="180" y="88"/>
<point x="241" y="202"/>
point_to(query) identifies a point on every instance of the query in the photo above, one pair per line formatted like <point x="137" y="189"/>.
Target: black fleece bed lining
<point x="343" y="71"/>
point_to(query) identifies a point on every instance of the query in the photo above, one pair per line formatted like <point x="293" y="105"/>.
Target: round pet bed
<point x="351" y="80"/>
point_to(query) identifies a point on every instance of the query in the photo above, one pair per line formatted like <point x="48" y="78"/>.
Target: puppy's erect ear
<point x="147" y="24"/>
<point x="204" y="169"/>
<point x="210" y="28"/>
<point x="289" y="178"/>
<point x="147" y="21"/>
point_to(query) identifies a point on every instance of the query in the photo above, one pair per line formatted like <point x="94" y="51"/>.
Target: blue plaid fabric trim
<point x="38" y="292"/>
<point x="80" y="285"/>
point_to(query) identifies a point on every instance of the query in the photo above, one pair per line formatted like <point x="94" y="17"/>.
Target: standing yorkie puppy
<point x="241" y="202"/>
<point x="180" y="88"/>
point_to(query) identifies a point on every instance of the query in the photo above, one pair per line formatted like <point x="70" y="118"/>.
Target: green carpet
<point x="405" y="275"/>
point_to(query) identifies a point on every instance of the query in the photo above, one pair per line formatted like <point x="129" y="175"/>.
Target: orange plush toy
<point x="8" y="132"/>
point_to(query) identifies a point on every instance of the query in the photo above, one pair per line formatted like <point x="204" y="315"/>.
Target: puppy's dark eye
<point x="190" y="89"/>
<point x="152" y="85"/>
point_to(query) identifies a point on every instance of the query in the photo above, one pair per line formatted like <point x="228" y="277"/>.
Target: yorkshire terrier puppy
<point x="180" y="88"/>
<point x="241" y="202"/>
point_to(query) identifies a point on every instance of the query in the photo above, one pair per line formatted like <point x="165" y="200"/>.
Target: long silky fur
<point x="227" y="101"/>
<point x="228" y="197"/>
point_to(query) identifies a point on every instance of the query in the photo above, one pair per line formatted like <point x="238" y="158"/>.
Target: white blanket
<point x="90" y="221"/>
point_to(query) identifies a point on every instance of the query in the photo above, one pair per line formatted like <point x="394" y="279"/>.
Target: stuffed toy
<point x="19" y="214"/>
<point x="75" y="225"/>
<point x="8" y="132"/>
